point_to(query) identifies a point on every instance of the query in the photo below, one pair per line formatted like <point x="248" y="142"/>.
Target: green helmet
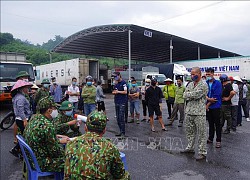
<point x="96" y="121"/>
<point x="22" y="74"/>
<point x="46" y="102"/>
<point x="45" y="81"/>
<point x="66" y="105"/>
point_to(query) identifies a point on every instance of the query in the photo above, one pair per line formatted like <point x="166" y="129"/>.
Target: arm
<point x="196" y="93"/>
<point x="117" y="167"/>
<point x="101" y="93"/>
<point x="84" y="93"/>
<point x="20" y="108"/>
<point x="232" y="93"/>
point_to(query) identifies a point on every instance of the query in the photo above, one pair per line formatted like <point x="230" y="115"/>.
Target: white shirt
<point x="73" y="89"/>
<point x="235" y="98"/>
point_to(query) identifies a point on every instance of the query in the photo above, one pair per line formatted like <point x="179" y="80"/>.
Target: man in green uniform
<point x="40" y="135"/>
<point x="91" y="156"/>
<point x="43" y="91"/>
<point x="64" y="121"/>
<point x="195" y="95"/>
<point x="89" y="95"/>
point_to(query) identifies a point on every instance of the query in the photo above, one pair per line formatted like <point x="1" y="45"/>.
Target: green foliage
<point x="5" y="38"/>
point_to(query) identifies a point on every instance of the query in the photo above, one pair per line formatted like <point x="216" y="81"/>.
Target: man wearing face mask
<point x="169" y="94"/>
<point x="120" y="92"/>
<point x="89" y="95"/>
<point x="213" y="107"/>
<point x="40" y="135"/>
<point x="64" y="121"/>
<point x="178" y="103"/>
<point x="43" y="91"/>
<point x="21" y="108"/>
<point x="153" y="96"/>
<point x="56" y="91"/>
<point x="134" y="100"/>
<point x="143" y="92"/>
<point x="195" y="95"/>
<point x="74" y="93"/>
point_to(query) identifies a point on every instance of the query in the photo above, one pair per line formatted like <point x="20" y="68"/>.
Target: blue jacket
<point x="215" y="92"/>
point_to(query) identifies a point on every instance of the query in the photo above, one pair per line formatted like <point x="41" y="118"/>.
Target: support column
<point x="199" y="53"/>
<point x="129" y="53"/>
<point x="171" y="50"/>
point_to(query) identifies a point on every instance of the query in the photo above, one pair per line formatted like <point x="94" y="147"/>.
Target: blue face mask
<point x="195" y="77"/>
<point x="134" y="85"/>
<point x="116" y="78"/>
<point x="209" y="78"/>
<point x="89" y="83"/>
<point x="68" y="113"/>
<point x="46" y="85"/>
<point x="73" y="83"/>
<point x="147" y="84"/>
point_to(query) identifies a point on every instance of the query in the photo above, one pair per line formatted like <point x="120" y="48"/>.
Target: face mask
<point x="26" y="80"/>
<point x="116" y="78"/>
<point x="153" y="83"/>
<point x="73" y="83"/>
<point x="46" y="85"/>
<point x="54" y="83"/>
<point x="147" y="84"/>
<point x="134" y="85"/>
<point x="209" y="78"/>
<point x="68" y="113"/>
<point x="195" y="77"/>
<point x="89" y="83"/>
<point x="54" y="113"/>
<point x="235" y="82"/>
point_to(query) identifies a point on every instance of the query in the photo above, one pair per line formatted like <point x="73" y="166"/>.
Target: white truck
<point x="79" y="68"/>
<point x="231" y="66"/>
<point x="10" y="64"/>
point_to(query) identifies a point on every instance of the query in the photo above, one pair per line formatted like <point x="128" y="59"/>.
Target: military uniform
<point x="91" y="156"/>
<point x="62" y="127"/>
<point x="40" y="134"/>
<point x="196" y="115"/>
<point x="42" y="92"/>
<point x="89" y="96"/>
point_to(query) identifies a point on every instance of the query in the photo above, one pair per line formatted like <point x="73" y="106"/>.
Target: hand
<point x="25" y="122"/>
<point x="225" y="99"/>
<point x="207" y="108"/>
<point x="115" y="92"/>
<point x="64" y="140"/>
<point x="212" y="100"/>
<point x="72" y="122"/>
<point x="61" y="136"/>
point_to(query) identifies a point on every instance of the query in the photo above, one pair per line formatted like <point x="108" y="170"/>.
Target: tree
<point x="5" y="38"/>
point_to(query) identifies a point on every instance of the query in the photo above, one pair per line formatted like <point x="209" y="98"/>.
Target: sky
<point x="221" y="24"/>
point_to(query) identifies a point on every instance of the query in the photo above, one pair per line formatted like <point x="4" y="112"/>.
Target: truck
<point x="79" y="68"/>
<point x="231" y="66"/>
<point x="10" y="64"/>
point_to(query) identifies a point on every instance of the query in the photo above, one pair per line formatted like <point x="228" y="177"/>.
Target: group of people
<point x="54" y="136"/>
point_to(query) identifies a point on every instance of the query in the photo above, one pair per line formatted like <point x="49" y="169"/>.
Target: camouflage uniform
<point x="41" y="94"/>
<point x="40" y="134"/>
<point x="196" y="115"/>
<point x="89" y="96"/>
<point x="62" y="127"/>
<point x="91" y="156"/>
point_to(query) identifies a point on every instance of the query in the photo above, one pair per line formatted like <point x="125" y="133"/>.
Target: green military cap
<point x="66" y="105"/>
<point x="45" y="81"/>
<point x="46" y="102"/>
<point x="96" y="121"/>
<point x="22" y="74"/>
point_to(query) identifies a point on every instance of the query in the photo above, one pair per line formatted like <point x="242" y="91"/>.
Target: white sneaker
<point x="248" y="120"/>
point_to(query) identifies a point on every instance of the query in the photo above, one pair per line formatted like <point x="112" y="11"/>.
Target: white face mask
<point x="54" y="113"/>
<point x="26" y="80"/>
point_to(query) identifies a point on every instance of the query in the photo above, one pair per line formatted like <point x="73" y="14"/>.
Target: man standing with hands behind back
<point x="195" y="95"/>
<point x="74" y="93"/>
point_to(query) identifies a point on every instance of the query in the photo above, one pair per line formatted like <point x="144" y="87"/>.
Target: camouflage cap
<point x="45" y="103"/>
<point x="22" y="74"/>
<point x="96" y="121"/>
<point x="45" y="81"/>
<point x="66" y="105"/>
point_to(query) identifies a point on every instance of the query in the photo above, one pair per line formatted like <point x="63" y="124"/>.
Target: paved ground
<point x="156" y="155"/>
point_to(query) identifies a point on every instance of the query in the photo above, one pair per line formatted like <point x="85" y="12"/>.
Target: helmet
<point x="89" y="78"/>
<point x="147" y="80"/>
<point x="224" y="78"/>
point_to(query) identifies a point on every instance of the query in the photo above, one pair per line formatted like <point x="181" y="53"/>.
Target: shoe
<point x="153" y="129"/>
<point x="239" y="124"/>
<point x="137" y="121"/>
<point x="187" y="151"/>
<point x="156" y="118"/>
<point x="209" y="141"/>
<point x="226" y="131"/>
<point x="107" y="119"/>
<point x="143" y="120"/>
<point x="248" y="120"/>
<point x="234" y="129"/>
<point x="180" y="125"/>
<point x="118" y="135"/>
<point x="131" y="121"/>
<point x="169" y="124"/>
<point x="200" y="157"/>
<point x="14" y="152"/>
<point x="168" y="117"/>
<point x="218" y="145"/>
<point x="164" y="129"/>
<point x="15" y="141"/>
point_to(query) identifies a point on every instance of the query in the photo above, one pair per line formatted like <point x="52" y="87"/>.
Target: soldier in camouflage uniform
<point x="41" y="136"/>
<point x="89" y="95"/>
<point x="64" y="121"/>
<point x="91" y="156"/>
<point x="195" y="95"/>
<point x="43" y="91"/>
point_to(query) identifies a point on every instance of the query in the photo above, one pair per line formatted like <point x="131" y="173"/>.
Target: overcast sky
<point x="222" y="24"/>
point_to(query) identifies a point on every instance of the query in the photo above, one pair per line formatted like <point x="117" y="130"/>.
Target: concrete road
<point x="156" y="155"/>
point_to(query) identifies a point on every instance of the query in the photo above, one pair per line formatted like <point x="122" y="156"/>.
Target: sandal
<point x="153" y="129"/>
<point x="218" y="145"/>
<point x="15" y="141"/>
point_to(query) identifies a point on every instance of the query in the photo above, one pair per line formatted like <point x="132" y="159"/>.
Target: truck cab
<point x="160" y="79"/>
